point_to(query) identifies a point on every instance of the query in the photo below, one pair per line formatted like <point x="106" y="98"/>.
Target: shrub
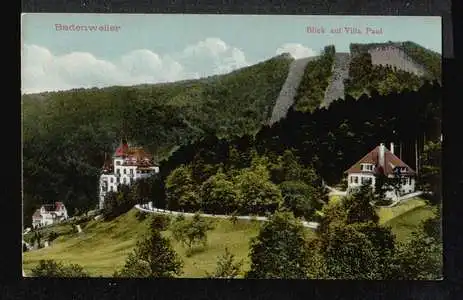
<point x="50" y="268"/>
<point x="160" y="222"/>
<point x="383" y="202"/>
<point x="226" y="267"/>
<point x="52" y="236"/>
<point x="140" y="215"/>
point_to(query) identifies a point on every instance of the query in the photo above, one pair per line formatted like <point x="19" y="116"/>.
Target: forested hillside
<point x="66" y="134"/>
<point x="330" y="140"/>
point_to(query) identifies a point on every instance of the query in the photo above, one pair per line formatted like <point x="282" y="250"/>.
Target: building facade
<point x="127" y="165"/>
<point x="381" y="160"/>
<point x="49" y="214"/>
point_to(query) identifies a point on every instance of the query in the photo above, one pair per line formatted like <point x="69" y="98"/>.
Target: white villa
<point x="378" y="160"/>
<point x="49" y="214"/>
<point x="127" y="165"/>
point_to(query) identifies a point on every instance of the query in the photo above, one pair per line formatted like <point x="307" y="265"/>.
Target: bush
<point x="50" y="268"/>
<point x="52" y="236"/>
<point x="140" y="215"/>
<point x="383" y="202"/>
<point x="226" y="267"/>
<point x="160" y="222"/>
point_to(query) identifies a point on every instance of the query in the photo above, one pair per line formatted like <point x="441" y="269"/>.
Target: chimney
<point x="381" y="155"/>
<point x="392" y="148"/>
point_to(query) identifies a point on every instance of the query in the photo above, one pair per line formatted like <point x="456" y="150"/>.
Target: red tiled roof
<point x="390" y="161"/>
<point x="122" y="150"/>
<point x="133" y="156"/>
<point x="59" y="205"/>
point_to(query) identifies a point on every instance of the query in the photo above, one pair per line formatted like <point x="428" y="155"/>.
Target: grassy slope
<point x="406" y="217"/>
<point x="103" y="246"/>
<point x="403" y="218"/>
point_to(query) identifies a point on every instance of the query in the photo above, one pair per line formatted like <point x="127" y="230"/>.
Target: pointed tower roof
<point x="123" y="148"/>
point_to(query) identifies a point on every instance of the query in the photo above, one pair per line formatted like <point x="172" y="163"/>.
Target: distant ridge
<point x="393" y="54"/>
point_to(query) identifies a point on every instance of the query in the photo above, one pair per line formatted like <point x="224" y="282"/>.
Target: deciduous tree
<point x="218" y="195"/>
<point x="279" y="250"/>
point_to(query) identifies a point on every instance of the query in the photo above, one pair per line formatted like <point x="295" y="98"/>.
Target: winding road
<point x="148" y="208"/>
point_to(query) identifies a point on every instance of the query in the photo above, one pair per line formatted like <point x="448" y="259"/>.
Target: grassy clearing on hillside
<point x="387" y="213"/>
<point x="403" y="218"/>
<point x="404" y="224"/>
<point x="103" y="246"/>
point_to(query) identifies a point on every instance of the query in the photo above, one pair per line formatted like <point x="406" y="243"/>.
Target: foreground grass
<point x="104" y="246"/>
<point x="404" y="224"/>
<point x="403" y="218"/>
<point x="388" y="213"/>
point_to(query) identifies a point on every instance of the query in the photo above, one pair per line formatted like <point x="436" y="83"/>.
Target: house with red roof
<point x="381" y="160"/>
<point x="49" y="214"/>
<point x="128" y="164"/>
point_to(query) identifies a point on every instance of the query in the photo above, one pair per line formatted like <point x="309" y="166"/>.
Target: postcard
<point x="231" y="146"/>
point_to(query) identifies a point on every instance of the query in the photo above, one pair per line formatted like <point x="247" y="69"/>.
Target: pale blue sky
<point x="248" y="39"/>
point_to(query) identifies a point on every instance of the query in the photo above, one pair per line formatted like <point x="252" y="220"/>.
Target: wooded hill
<point x="66" y="134"/>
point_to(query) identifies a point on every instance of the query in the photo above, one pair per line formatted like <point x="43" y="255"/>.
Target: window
<point x="125" y="171"/>
<point x="356" y="180"/>
<point x="403" y="181"/>
<point x="111" y="179"/>
<point x="118" y="162"/>
<point x="366" y="180"/>
<point x="366" y="167"/>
